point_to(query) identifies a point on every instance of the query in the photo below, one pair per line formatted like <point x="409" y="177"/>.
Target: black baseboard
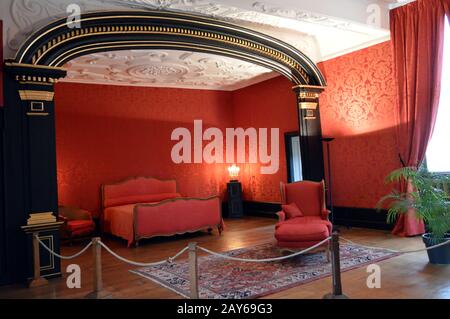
<point x="361" y="217"/>
<point x="263" y="209"/>
<point x="344" y="216"/>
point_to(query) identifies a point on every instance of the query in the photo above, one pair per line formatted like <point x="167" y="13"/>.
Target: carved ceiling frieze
<point x="169" y="68"/>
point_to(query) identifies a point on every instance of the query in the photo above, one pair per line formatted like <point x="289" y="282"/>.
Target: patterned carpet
<point x="225" y="279"/>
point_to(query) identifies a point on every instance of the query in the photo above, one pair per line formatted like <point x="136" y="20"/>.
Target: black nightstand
<point x="235" y="207"/>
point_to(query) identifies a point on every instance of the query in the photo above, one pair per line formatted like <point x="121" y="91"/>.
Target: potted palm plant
<point x="430" y="203"/>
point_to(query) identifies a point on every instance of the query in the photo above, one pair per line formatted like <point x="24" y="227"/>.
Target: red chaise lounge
<point x="303" y="222"/>
<point x="145" y="207"/>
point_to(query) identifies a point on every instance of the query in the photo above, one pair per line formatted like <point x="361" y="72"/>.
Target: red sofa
<point x="145" y="207"/>
<point x="310" y="228"/>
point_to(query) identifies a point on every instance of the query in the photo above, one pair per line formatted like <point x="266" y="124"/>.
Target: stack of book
<point x="41" y="218"/>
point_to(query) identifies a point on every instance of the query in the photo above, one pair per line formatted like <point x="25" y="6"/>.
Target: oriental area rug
<point x="220" y="278"/>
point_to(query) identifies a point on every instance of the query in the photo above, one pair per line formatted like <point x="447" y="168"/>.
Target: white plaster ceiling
<point x="166" y="68"/>
<point x="322" y="29"/>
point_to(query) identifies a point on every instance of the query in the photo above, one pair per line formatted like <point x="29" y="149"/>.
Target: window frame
<point x="446" y="38"/>
<point x="288" y="148"/>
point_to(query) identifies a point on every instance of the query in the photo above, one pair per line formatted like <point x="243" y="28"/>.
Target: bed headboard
<point x="137" y="190"/>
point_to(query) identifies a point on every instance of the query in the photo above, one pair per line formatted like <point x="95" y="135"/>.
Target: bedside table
<point x="235" y="206"/>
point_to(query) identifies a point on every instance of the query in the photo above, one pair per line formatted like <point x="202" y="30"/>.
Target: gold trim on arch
<point x="32" y="95"/>
<point x="33" y="66"/>
<point x="34" y="79"/>
<point x="230" y="26"/>
<point x="186" y="45"/>
<point x="303" y="86"/>
<point x="36" y="114"/>
<point x="119" y="44"/>
<point x="274" y="54"/>
<point x="308" y="105"/>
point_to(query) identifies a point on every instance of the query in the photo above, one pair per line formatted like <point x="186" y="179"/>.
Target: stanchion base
<point x="37" y="282"/>
<point x="104" y="294"/>
<point x="331" y="296"/>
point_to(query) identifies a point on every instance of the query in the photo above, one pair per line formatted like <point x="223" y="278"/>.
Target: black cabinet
<point x="235" y="207"/>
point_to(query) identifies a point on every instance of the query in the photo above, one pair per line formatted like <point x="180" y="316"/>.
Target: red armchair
<point x="78" y="223"/>
<point x="310" y="199"/>
<point x="310" y="228"/>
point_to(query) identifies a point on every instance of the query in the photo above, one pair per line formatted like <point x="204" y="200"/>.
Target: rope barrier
<point x="171" y="259"/>
<point x="61" y="256"/>
<point x="139" y="264"/>
<point x="96" y="244"/>
<point x="397" y="251"/>
<point x="266" y="259"/>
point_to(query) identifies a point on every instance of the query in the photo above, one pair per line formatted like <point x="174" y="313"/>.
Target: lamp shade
<point x="233" y="170"/>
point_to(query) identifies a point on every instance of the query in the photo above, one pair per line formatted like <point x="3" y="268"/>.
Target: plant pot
<point x="439" y="255"/>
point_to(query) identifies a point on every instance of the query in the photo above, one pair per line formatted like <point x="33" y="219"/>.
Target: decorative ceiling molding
<point x="305" y="30"/>
<point x="321" y="30"/>
<point x="165" y="68"/>
<point x="27" y="16"/>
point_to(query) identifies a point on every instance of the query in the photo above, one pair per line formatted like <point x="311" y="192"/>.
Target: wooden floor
<point x="405" y="276"/>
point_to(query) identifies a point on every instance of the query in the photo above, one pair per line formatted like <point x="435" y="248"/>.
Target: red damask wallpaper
<point x="268" y="104"/>
<point x="105" y="133"/>
<point x="357" y="108"/>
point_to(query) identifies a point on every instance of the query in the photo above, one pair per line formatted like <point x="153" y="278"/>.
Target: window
<point x="293" y="156"/>
<point x="438" y="151"/>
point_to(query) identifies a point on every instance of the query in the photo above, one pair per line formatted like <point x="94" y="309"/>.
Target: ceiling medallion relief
<point x="153" y="72"/>
<point x="170" y="68"/>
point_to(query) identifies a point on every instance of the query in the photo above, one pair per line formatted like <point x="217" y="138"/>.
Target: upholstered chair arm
<point x="63" y="218"/>
<point x="281" y="216"/>
<point x="63" y="226"/>
<point x="74" y="213"/>
<point x="325" y="214"/>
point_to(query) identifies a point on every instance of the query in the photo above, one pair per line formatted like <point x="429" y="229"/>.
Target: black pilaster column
<point x="310" y="131"/>
<point x="29" y="165"/>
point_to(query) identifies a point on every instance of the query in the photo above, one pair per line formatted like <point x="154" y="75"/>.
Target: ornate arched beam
<point x="57" y="43"/>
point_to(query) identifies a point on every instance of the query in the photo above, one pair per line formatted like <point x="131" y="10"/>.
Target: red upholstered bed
<point x="145" y="207"/>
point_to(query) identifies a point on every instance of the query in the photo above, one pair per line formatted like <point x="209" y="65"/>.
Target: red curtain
<point x="417" y="33"/>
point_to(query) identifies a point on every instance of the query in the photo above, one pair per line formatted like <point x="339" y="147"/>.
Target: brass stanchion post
<point x="335" y="269"/>
<point x="98" y="291"/>
<point x="193" y="270"/>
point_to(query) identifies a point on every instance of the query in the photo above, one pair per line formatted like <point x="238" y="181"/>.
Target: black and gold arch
<point x="28" y="173"/>
<point x="57" y="43"/>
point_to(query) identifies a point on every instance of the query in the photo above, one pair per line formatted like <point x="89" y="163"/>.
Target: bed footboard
<point x="176" y="216"/>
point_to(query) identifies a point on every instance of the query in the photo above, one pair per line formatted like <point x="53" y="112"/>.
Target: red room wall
<point x="357" y="108"/>
<point x="105" y="133"/>
<point x="268" y="104"/>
